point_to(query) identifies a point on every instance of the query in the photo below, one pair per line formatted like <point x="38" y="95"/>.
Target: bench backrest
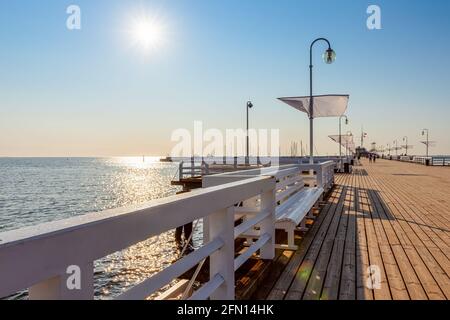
<point x="288" y="183"/>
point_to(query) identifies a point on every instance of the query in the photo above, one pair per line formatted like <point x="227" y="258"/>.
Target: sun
<point x="147" y="33"/>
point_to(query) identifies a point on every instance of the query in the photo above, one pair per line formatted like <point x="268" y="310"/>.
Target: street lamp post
<point x="405" y="139"/>
<point x="396" y="147"/>
<point x="340" y="136"/>
<point x="247" y="159"/>
<point x="428" y="140"/>
<point x="349" y="133"/>
<point x="329" y="57"/>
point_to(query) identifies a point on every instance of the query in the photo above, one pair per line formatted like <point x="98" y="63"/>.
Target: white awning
<point x="346" y="141"/>
<point x="351" y="147"/>
<point x="429" y="143"/>
<point x="324" y="106"/>
<point x="344" y="138"/>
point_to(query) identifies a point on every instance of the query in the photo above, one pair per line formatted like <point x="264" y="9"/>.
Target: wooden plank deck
<point x="391" y="217"/>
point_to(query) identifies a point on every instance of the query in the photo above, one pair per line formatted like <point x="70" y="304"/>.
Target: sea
<point x="39" y="190"/>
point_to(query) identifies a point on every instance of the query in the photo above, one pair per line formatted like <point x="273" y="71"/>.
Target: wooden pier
<point x="380" y="233"/>
<point x="390" y="218"/>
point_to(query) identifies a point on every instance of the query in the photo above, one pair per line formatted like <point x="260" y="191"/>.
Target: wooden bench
<point x="295" y="204"/>
<point x="291" y="216"/>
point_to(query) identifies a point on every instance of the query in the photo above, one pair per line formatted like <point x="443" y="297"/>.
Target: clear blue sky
<point x="90" y="93"/>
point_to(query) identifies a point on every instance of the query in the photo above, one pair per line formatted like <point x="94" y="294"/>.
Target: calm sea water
<point x="38" y="190"/>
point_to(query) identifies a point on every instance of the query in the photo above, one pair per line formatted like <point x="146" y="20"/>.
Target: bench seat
<point x="297" y="207"/>
<point x="295" y="203"/>
<point x="293" y="212"/>
<point x="289" y="215"/>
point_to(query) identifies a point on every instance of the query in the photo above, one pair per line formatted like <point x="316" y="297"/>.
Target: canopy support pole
<point x="311" y="107"/>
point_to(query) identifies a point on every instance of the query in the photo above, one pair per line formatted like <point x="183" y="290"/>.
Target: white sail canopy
<point x="324" y="105"/>
<point x="351" y="147"/>
<point x="429" y="143"/>
<point x="346" y="141"/>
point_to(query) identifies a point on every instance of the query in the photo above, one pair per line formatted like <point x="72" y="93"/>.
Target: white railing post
<point x="268" y="203"/>
<point x="221" y="224"/>
<point x="332" y="176"/>
<point x="180" y="171"/>
<point x="206" y="236"/>
<point x="192" y="167"/>
<point x="319" y="176"/>
<point x="205" y="168"/>
<point x="77" y="283"/>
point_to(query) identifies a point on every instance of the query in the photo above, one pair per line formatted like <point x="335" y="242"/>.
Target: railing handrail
<point x="324" y="172"/>
<point x="149" y="286"/>
<point x="33" y="257"/>
<point x="192" y="169"/>
<point x="35" y="254"/>
<point x="22" y="235"/>
<point x="266" y="171"/>
<point x="433" y="160"/>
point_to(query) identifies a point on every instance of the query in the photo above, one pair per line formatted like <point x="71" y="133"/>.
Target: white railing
<point x="441" y="161"/>
<point x="199" y="166"/>
<point x="433" y="161"/>
<point x="338" y="161"/>
<point x="192" y="169"/>
<point x="252" y="211"/>
<point x="319" y="174"/>
<point x="42" y="258"/>
<point x="290" y="182"/>
<point x="284" y="176"/>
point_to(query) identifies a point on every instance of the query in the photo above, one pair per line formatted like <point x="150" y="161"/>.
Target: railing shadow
<point x="370" y="203"/>
<point x="360" y="172"/>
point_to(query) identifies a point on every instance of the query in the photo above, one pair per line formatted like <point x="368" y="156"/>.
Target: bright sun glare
<point x="147" y="33"/>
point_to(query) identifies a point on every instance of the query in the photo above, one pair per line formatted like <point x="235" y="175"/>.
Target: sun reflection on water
<point x="138" y="180"/>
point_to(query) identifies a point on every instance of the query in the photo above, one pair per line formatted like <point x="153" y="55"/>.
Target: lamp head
<point x="346" y="121"/>
<point x="249" y="104"/>
<point x="329" y="56"/>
